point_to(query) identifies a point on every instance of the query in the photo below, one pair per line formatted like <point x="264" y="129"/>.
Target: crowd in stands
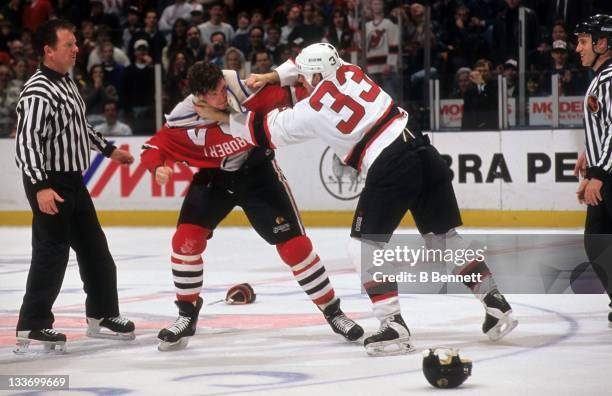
<point x="120" y="41"/>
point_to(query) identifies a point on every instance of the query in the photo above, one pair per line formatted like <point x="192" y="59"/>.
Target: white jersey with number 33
<point x="348" y="111"/>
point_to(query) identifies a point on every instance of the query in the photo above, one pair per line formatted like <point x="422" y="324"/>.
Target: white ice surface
<point x="280" y="345"/>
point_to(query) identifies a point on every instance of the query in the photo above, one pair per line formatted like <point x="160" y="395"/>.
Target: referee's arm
<point x="32" y="114"/>
<point x="603" y="169"/>
<point x="98" y="142"/>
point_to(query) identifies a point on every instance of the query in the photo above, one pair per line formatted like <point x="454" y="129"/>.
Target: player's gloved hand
<point x="46" y="201"/>
<point x="162" y="174"/>
<point x="580" y="167"/>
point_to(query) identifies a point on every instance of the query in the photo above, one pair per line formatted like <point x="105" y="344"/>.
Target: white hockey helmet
<point x="318" y="58"/>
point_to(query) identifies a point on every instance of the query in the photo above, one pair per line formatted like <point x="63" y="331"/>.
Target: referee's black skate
<point x="393" y="338"/>
<point x="176" y="337"/>
<point x="340" y="323"/>
<point x="52" y="341"/>
<point x="610" y="317"/>
<point x="498" y="320"/>
<point x="115" y="328"/>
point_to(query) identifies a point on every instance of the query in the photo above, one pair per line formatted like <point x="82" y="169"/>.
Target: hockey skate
<point x="393" y="338"/>
<point x="340" y="323"/>
<point x="176" y="337"/>
<point x="498" y="320"/>
<point x="52" y="341"/>
<point x="117" y="328"/>
<point x="610" y="317"/>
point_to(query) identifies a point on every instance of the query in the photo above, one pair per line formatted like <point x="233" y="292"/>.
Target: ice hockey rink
<point x="281" y="345"/>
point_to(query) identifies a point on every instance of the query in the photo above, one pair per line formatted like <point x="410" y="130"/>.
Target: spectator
<point x="114" y="73"/>
<point x="86" y="38"/>
<point x="257" y="18"/>
<point x="35" y="13"/>
<point x="534" y="84"/>
<point x="480" y="101"/>
<point x="8" y="102"/>
<point x="110" y="21"/>
<point x="197" y="15"/>
<point x="140" y="90"/>
<point x="70" y="10"/>
<point x="178" y="41"/>
<point x="510" y="72"/>
<point x="463" y="37"/>
<point x="570" y="81"/>
<point x="461" y="83"/>
<point x="111" y="125"/>
<point x="12" y="13"/>
<point x="241" y="35"/>
<point x="234" y="60"/>
<point x="216" y="50"/>
<point x="95" y="56"/>
<point x="6" y="33"/>
<point x="180" y="9"/>
<point x="308" y="30"/>
<point x="156" y="39"/>
<point x="506" y="32"/>
<point x="130" y="27"/>
<point x="382" y="38"/>
<point x="195" y="49"/>
<point x="175" y="83"/>
<point x="273" y="44"/>
<point x="339" y="34"/>
<point x="261" y="62"/>
<point x="95" y="93"/>
<point x="216" y="24"/>
<point x="293" y="20"/>
<point x="22" y="73"/>
<point x="256" y="42"/>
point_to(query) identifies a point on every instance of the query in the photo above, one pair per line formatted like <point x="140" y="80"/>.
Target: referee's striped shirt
<point x="598" y="124"/>
<point x="53" y="134"/>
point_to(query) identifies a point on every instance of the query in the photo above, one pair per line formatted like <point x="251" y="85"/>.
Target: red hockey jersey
<point x="204" y="144"/>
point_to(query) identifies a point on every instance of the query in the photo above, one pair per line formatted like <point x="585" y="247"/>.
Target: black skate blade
<point x="165" y="346"/>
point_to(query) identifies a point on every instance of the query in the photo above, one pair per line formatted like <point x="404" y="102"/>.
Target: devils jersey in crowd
<point x="204" y="144"/>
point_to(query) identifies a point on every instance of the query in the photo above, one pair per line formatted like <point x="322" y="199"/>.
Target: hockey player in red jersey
<point x="232" y="173"/>
<point x="367" y="130"/>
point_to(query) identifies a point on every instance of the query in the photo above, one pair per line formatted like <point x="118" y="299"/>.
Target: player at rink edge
<point x="365" y="128"/>
<point x="231" y="173"/>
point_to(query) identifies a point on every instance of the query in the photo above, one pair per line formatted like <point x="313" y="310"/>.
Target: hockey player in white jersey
<point x="367" y="130"/>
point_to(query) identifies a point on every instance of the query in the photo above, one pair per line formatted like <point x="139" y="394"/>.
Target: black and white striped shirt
<point x="598" y="124"/>
<point x="52" y="131"/>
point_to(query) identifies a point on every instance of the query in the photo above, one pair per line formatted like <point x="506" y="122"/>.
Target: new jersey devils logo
<point x="377" y="38"/>
<point x="592" y="104"/>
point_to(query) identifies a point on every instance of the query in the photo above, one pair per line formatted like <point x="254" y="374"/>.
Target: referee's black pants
<point x="598" y="237"/>
<point x="76" y="226"/>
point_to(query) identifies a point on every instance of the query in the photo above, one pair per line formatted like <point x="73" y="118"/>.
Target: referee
<point x="595" y="164"/>
<point x="53" y="149"/>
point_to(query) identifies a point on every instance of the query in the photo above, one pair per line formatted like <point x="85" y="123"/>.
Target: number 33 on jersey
<point x="346" y="110"/>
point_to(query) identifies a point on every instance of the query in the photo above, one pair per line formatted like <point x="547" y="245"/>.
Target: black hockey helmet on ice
<point x="444" y="368"/>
